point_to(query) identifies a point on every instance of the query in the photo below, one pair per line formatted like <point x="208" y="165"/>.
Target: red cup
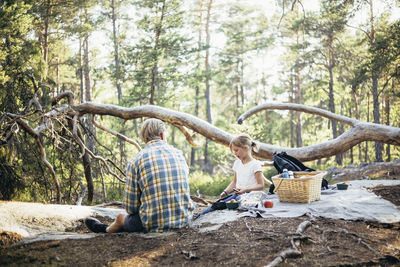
<point x="268" y="204"/>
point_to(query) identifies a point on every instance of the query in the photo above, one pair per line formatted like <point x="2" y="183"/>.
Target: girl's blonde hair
<point x="243" y="140"/>
<point x="151" y="129"/>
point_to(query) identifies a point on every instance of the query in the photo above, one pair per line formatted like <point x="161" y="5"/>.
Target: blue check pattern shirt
<point x="157" y="187"/>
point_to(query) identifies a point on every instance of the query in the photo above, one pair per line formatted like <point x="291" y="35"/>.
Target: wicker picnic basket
<point x="304" y="188"/>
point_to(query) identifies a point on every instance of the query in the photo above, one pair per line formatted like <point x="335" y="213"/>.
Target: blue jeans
<point x="226" y="199"/>
<point x="133" y="223"/>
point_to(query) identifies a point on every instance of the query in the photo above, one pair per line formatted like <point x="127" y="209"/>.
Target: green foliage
<point x="159" y="53"/>
<point x="162" y="48"/>
<point x="205" y="184"/>
<point x="18" y="53"/>
<point x="10" y="182"/>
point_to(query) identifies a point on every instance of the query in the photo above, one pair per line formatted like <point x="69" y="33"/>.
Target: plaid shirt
<point x="157" y="187"/>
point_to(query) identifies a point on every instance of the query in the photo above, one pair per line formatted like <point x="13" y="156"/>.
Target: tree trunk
<point x="57" y="77"/>
<point x="46" y="38"/>
<point x="351" y="149"/>
<point x="241" y="79"/>
<point x="299" y="140"/>
<point x="366" y="143"/>
<point x="116" y="53"/>
<point x="331" y="65"/>
<point x="291" y="99"/>
<point x="80" y="71"/>
<point x="208" y="74"/>
<point x="88" y="91"/>
<point x="197" y="90"/>
<point x="357" y="115"/>
<point x="374" y="89"/>
<point x="387" y="107"/>
<point x="376" y="113"/>
<point x="237" y="90"/>
<point x="117" y="77"/>
<point x="154" y="70"/>
<point x="88" y="175"/>
<point x="196" y="113"/>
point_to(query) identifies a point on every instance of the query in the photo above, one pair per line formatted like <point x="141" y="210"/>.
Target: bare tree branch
<point x="189" y="137"/>
<point x="121" y="136"/>
<point x="36" y="135"/>
<point x="360" y="131"/>
<point x="84" y="149"/>
<point x="66" y="94"/>
<point x="297" y="107"/>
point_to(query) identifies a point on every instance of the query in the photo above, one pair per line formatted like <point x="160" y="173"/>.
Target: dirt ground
<point x="245" y="242"/>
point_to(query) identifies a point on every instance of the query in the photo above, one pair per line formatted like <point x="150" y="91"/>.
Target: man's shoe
<point x="95" y="225"/>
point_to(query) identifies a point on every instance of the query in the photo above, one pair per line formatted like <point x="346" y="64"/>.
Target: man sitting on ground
<point x="157" y="196"/>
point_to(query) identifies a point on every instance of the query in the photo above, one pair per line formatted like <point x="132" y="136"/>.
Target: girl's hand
<point x="240" y="191"/>
<point x="223" y="194"/>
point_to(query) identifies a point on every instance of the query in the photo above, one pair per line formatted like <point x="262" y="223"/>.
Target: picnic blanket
<point x="356" y="203"/>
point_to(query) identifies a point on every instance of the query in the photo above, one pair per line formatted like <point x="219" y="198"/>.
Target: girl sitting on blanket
<point x="247" y="170"/>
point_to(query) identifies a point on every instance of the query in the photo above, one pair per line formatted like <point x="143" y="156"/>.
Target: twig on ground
<point x="302" y="227"/>
<point x="295" y="242"/>
<point x="360" y="241"/>
<point x="248" y="227"/>
<point x="288" y="253"/>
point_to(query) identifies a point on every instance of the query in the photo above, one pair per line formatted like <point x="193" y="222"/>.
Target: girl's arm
<point x="229" y="187"/>
<point x="259" y="186"/>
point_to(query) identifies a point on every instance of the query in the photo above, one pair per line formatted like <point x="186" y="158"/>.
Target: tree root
<point x="295" y="242"/>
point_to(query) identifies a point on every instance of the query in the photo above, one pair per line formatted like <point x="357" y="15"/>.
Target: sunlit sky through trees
<point x="266" y="64"/>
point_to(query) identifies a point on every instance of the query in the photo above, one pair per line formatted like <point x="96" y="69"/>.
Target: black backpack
<point x="284" y="161"/>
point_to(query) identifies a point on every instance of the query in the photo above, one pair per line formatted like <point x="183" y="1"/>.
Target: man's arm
<point x="132" y="191"/>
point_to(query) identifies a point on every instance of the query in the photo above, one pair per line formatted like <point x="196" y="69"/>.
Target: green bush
<point x="205" y="184"/>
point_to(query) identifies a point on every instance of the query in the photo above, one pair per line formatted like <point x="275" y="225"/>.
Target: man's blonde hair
<point x="151" y="129"/>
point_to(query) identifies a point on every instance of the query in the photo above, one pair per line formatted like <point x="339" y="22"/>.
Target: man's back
<point x="157" y="187"/>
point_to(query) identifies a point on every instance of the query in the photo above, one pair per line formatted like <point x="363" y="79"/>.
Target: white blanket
<point x="355" y="203"/>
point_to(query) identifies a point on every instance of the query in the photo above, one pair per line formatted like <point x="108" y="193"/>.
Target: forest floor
<point x="244" y="242"/>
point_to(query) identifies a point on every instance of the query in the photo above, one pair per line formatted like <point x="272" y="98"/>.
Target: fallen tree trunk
<point x="9" y="124"/>
<point x="360" y="132"/>
<point x="387" y="170"/>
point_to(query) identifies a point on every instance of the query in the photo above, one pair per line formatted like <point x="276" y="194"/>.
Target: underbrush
<point x="212" y="185"/>
<point x="206" y="184"/>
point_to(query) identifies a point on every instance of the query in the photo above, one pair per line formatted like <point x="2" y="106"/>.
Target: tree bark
<point x="374" y="89"/>
<point x="46" y="37"/>
<point x="116" y="52"/>
<point x="387" y="107"/>
<point x="363" y="131"/>
<point x="366" y="143"/>
<point x="197" y="87"/>
<point x="376" y="113"/>
<point x="117" y="76"/>
<point x="299" y="139"/>
<point x="291" y="99"/>
<point x="360" y="131"/>
<point x="88" y="91"/>
<point x="154" y="70"/>
<point x="208" y="74"/>
<point x="330" y="66"/>
<point x="80" y="71"/>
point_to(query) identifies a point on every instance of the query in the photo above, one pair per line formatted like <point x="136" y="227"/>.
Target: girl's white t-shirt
<point x="245" y="173"/>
